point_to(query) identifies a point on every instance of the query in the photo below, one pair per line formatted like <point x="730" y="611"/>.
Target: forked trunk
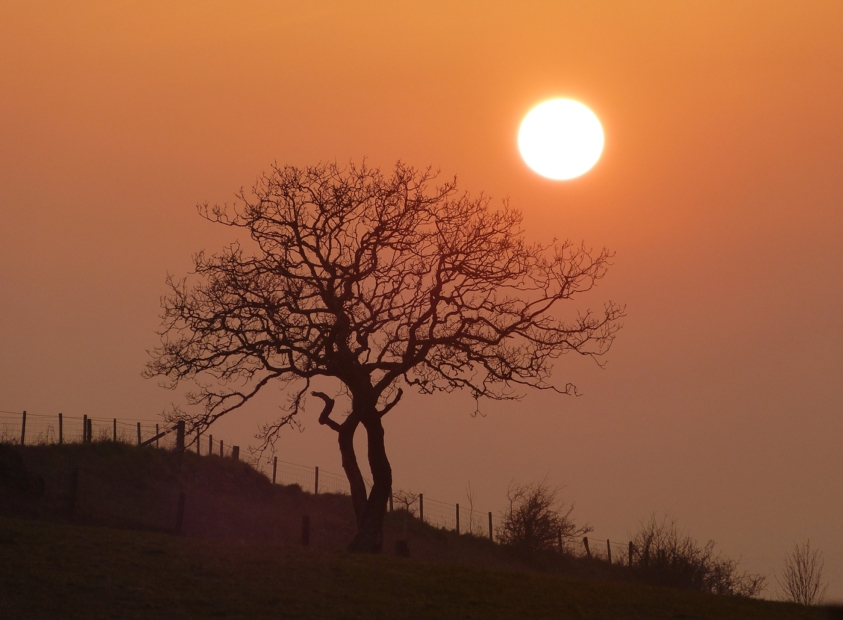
<point x="345" y="432"/>
<point x="369" y="538"/>
<point x="351" y="468"/>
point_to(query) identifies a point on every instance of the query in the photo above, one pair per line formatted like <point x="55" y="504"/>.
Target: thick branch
<point x="324" y="417"/>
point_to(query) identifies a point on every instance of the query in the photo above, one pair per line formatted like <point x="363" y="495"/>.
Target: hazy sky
<point x="720" y="189"/>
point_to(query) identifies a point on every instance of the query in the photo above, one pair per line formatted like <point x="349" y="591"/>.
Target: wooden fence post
<point x="631" y="551"/>
<point x="198" y="444"/>
<point x="180" y="436"/>
<point x="23" y="429"/>
<point x="491" y="537"/>
<point x="421" y="507"/>
<point x="274" y="468"/>
<point x="305" y="530"/>
<point x="210" y="445"/>
<point x="221" y="452"/>
<point x="180" y="513"/>
<point x="156" y="435"/>
<point x="316" y="482"/>
<point x="90" y="430"/>
<point x="114" y="436"/>
<point x="74" y="488"/>
<point x="235" y="452"/>
<point x="458" y="519"/>
<point x="609" y="550"/>
<point x="587" y="550"/>
<point x="84" y="428"/>
<point x="139" y="434"/>
<point x="61" y="430"/>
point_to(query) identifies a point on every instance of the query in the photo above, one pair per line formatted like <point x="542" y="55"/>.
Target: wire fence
<point x="22" y="428"/>
<point x="33" y="429"/>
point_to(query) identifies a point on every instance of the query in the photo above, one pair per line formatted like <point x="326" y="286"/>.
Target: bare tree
<point x="802" y="576"/>
<point x="376" y="283"/>
<point x="537" y="519"/>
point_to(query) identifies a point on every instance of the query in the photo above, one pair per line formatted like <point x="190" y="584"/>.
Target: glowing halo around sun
<point x="560" y="139"/>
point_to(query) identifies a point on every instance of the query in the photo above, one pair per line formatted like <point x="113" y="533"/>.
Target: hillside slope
<point x="51" y="570"/>
<point x="121" y="528"/>
<point x="138" y="488"/>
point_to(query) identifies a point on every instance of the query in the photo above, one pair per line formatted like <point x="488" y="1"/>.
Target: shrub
<point x="406" y="500"/>
<point x="538" y="520"/>
<point x="665" y="555"/>
<point x="802" y="577"/>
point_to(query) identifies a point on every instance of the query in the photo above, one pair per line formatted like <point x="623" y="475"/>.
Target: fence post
<point x="609" y="550"/>
<point x="585" y="542"/>
<point x="631" y="551"/>
<point x="235" y="452"/>
<point x="90" y="430"/>
<point x="274" y="468"/>
<point x="210" y="445"/>
<point x="84" y="428"/>
<point x="421" y="507"/>
<point x="180" y="513"/>
<point x="221" y="452"/>
<point x="458" y="519"/>
<point x="316" y="482"/>
<point x="71" y="498"/>
<point x="23" y="429"/>
<point x="305" y="530"/>
<point x="156" y="435"/>
<point x="490" y="528"/>
<point x="115" y="430"/>
<point x="61" y="430"/>
<point x="198" y="445"/>
<point x="180" y="436"/>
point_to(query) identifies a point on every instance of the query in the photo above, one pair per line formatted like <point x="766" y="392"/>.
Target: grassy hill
<point x="54" y="570"/>
<point x="127" y="487"/>
<point x="240" y="555"/>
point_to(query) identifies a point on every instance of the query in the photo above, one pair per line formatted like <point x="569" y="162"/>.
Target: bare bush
<point x="473" y="521"/>
<point x="667" y="556"/>
<point x="538" y="519"/>
<point x="406" y="500"/>
<point x="802" y="577"/>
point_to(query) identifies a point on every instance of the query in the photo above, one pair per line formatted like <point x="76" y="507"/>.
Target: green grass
<point x="54" y="570"/>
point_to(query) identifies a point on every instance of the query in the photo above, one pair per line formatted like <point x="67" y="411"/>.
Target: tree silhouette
<point x="376" y="282"/>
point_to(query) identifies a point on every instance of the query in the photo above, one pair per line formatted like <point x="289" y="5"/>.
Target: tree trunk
<point x="350" y="466"/>
<point x="369" y="538"/>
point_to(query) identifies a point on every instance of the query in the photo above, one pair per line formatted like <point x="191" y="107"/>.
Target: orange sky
<point x="720" y="188"/>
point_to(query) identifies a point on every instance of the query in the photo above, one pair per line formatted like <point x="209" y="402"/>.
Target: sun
<point x="560" y="139"/>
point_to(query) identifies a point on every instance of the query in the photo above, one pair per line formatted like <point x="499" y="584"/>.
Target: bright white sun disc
<point x="560" y="139"/>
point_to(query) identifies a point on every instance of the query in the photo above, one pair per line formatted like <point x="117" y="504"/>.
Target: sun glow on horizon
<point x="560" y="139"/>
